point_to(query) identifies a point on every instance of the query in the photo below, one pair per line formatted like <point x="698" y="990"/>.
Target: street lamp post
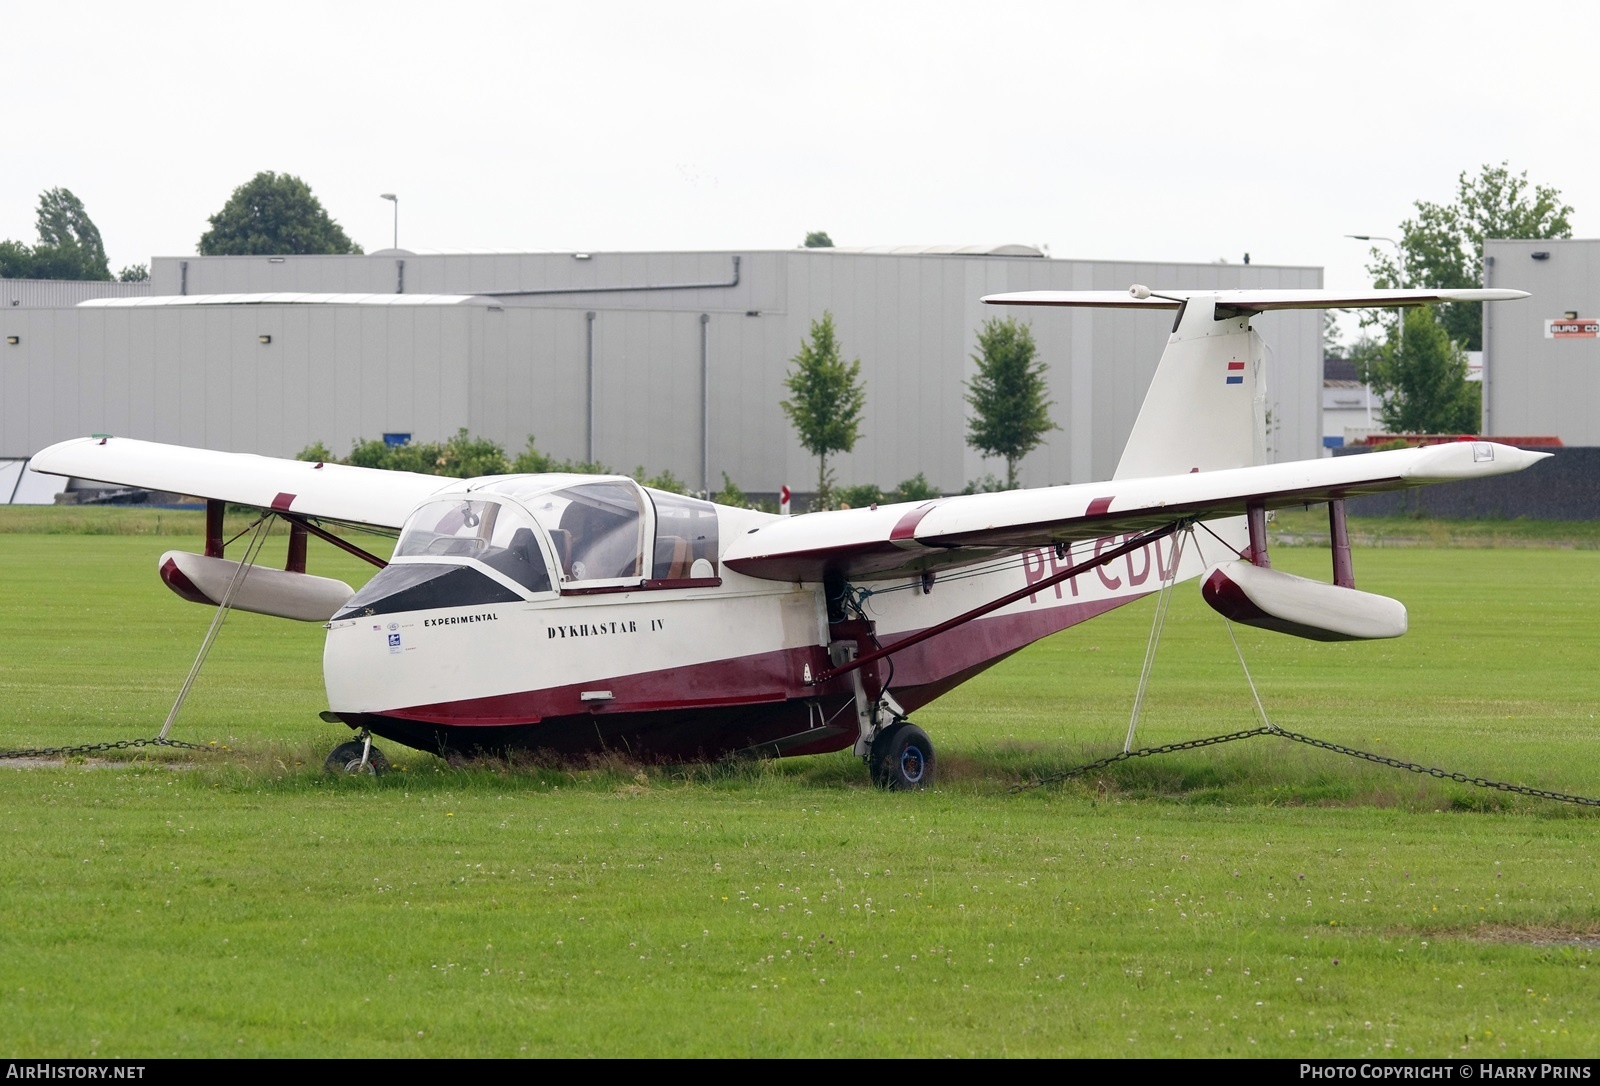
<point x="1400" y="258"/>
<point x="395" y="200"/>
<point x="1400" y="318"/>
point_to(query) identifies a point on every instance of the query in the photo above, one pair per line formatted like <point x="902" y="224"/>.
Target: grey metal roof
<point x="288" y="298"/>
<point x="940" y="250"/>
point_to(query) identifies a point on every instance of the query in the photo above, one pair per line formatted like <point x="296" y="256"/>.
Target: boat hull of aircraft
<point x="545" y="677"/>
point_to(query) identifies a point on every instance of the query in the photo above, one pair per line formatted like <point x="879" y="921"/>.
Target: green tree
<point x="1010" y="414"/>
<point x="16" y="260"/>
<point x="134" y="273"/>
<point x="1423" y="383"/>
<point x="69" y="243"/>
<point x="273" y="214"/>
<point x="915" y="489"/>
<point x="826" y="399"/>
<point x="1443" y="245"/>
<point x="818" y="239"/>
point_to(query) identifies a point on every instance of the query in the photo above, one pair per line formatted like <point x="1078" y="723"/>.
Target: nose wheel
<point x="357" y="756"/>
<point x="901" y="759"/>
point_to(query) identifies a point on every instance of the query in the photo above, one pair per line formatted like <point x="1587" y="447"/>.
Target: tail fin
<point x="1206" y="406"/>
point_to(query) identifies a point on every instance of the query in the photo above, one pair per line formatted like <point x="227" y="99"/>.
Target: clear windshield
<point x="500" y="536"/>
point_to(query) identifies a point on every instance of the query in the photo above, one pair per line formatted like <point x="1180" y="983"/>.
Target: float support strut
<point x="1256" y="515"/>
<point x="1344" y="572"/>
<point x="214" y="511"/>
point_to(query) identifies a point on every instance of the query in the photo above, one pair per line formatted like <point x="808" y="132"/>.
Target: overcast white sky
<point x="1155" y="131"/>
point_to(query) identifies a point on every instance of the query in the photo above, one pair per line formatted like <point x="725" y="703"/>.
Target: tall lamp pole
<point x="395" y="200"/>
<point x="1400" y="318"/>
<point x="1400" y="258"/>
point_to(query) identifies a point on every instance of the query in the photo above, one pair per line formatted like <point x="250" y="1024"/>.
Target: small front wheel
<point x="902" y="758"/>
<point x="346" y="758"/>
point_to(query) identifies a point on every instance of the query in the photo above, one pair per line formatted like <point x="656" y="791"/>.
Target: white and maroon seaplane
<point x="581" y="613"/>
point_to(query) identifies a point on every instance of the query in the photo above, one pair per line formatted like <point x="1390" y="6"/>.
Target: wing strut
<point x="1051" y="581"/>
<point x="251" y="551"/>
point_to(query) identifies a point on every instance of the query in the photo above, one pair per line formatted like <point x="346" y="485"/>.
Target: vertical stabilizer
<point x="1206" y="406"/>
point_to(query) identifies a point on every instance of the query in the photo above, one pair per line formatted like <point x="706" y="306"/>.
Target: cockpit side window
<point x="686" y="537"/>
<point x="597" y="530"/>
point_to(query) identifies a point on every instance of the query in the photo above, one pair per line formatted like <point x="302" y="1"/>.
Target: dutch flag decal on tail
<point x="1235" y="373"/>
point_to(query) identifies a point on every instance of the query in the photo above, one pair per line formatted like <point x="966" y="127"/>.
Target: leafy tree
<point x="134" y="273"/>
<point x="317" y="453"/>
<point x="1443" y="245"/>
<point x="273" y="214"/>
<point x="915" y="489"/>
<point x="664" y="481"/>
<point x="533" y="462"/>
<point x="461" y="457"/>
<point x="730" y="494"/>
<point x="466" y="457"/>
<point x="16" y="260"/>
<point x="1422" y="383"/>
<point x="860" y="496"/>
<point x="66" y="229"/>
<point x="1010" y="414"/>
<point x="818" y="239"/>
<point x="826" y="399"/>
<point x="69" y="243"/>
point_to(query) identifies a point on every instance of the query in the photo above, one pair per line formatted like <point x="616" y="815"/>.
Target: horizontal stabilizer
<point x="1250" y="301"/>
<point x="1272" y="600"/>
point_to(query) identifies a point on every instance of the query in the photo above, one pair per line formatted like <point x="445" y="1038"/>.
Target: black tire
<point x="346" y="758"/>
<point x="902" y="758"/>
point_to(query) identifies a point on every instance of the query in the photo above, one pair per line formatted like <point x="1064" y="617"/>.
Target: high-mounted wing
<point x="903" y="540"/>
<point x="332" y="491"/>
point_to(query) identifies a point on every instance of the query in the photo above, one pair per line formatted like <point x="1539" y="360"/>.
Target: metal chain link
<point x="1143" y="752"/>
<point x="1211" y="741"/>
<point x="90" y="748"/>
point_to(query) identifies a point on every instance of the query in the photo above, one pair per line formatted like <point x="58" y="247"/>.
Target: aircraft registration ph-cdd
<point x="582" y="613"/>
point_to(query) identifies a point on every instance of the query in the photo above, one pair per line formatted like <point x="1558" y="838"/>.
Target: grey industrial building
<point x="1541" y="356"/>
<point x="664" y="360"/>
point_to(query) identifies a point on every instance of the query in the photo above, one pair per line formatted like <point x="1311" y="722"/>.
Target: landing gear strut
<point x="899" y="755"/>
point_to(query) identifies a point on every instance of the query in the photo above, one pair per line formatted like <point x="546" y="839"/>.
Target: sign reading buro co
<point x="1572" y="328"/>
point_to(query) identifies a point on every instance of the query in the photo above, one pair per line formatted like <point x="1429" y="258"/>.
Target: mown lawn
<point x="1258" y="898"/>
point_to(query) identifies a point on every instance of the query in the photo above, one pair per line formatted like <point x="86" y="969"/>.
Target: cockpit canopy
<point x="521" y="536"/>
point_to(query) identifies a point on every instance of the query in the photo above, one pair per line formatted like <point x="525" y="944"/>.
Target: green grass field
<point x="1261" y="898"/>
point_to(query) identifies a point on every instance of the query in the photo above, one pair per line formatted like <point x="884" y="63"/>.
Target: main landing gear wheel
<point x="901" y="759"/>
<point x="346" y="758"/>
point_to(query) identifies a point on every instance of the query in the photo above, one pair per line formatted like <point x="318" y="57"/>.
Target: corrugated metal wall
<point x="53" y="293"/>
<point x="520" y="367"/>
